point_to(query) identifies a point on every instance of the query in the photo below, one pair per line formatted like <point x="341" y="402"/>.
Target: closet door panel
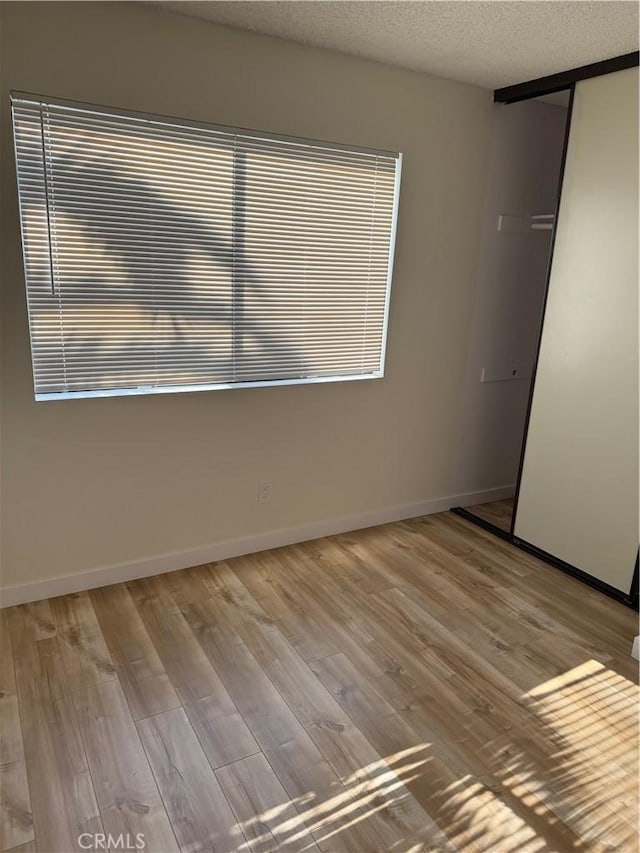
<point x="578" y="495"/>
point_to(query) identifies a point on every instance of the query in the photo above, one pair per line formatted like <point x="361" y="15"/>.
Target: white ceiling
<point x="491" y="43"/>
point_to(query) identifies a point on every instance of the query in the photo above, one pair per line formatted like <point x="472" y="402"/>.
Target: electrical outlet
<point x="265" y="489"/>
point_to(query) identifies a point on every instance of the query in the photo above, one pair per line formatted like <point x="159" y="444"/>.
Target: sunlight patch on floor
<point x="470" y="815"/>
<point x="572" y="785"/>
<point x="585" y="721"/>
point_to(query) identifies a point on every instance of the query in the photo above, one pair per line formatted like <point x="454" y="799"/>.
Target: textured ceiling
<point x="490" y="43"/>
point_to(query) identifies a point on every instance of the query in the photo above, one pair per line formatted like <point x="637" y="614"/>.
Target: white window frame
<point x="255" y="135"/>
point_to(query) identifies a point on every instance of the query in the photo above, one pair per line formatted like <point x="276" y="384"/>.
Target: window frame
<point x="178" y="122"/>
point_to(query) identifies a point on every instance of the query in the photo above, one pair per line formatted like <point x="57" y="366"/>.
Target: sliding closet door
<point x="578" y="497"/>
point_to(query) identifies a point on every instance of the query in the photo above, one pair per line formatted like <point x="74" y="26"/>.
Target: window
<point x="163" y="255"/>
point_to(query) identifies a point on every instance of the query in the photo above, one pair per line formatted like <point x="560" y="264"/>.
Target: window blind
<point x="163" y="255"/>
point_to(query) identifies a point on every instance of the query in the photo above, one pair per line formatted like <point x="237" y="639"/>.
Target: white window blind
<point x="162" y="255"/>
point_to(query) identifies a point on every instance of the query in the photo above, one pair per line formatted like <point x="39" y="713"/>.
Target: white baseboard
<point x="169" y="562"/>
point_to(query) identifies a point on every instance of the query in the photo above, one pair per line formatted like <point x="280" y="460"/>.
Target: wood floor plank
<point x="85" y="656"/>
<point x="220" y="728"/>
<point x="487" y="626"/>
<point x="352" y="756"/>
<point x="125" y="787"/>
<point x="429" y="773"/>
<point x="499" y="586"/>
<point x="293" y="567"/>
<point x="266" y="815"/>
<point x="271" y="721"/>
<point x="252" y="692"/>
<point x="300" y="766"/>
<point x="30" y="623"/>
<point x="16" y="820"/>
<point x="61" y="790"/>
<point x="410" y="640"/>
<point x="419" y="686"/>
<point x="497" y="718"/>
<point x="287" y="607"/>
<point x="138" y="665"/>
<point x="11" y="748"/>
<point x="331" y="811"/>
<point x="551" y="591"/>
<point x="199" y="812"/>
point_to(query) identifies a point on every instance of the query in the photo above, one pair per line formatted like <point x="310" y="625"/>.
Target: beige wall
<point x="88" y="483"/>
<point x="522" y="180"/>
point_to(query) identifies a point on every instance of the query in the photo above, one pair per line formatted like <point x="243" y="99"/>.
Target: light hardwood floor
<point x="498" y="513"/>
<point x="420" y="686"/>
